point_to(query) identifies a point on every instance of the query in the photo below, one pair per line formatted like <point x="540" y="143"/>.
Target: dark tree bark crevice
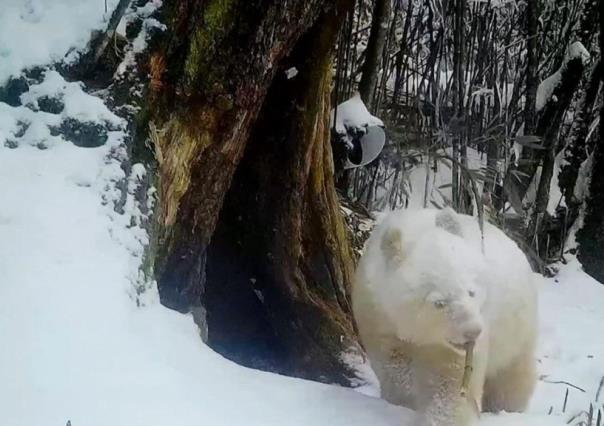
<point x="281" y="219"/>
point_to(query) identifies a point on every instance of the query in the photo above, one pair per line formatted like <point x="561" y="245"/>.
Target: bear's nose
<point x="472" y="334"/>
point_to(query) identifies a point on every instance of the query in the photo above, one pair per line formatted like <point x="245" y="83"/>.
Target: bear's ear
<point x="447" y="219"/>
<point x="392" y="246"/>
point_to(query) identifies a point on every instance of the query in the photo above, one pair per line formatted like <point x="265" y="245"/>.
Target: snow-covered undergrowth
<point x="76" y="344"/>
<point x="37" y="32"/>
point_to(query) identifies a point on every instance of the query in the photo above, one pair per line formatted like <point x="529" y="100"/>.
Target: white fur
<point x="422" y="289"/>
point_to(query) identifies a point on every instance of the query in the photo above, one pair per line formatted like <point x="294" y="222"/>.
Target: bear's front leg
<point x="438" y="390"/>
<point x="444" y="405"/>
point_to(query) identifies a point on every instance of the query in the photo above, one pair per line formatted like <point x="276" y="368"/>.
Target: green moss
<point x="218" y="19"/>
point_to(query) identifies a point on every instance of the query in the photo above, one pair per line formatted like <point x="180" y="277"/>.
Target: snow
<point x="353" y="114"/>
<point x="39" y="32"/>
<point x="291" y="72"/>
<point x="548" y="86"/>
<point x="78" y="104"/>
<point x="140" y="42"/>
<point x="36" y="125"/>
<point x="571" y="349"/>
<point x="555" y="193"/>
<point x="546" y="89"/>
<point x="80" y="344"/>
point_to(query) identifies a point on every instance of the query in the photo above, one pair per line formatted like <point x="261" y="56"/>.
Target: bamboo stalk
<point x="467" y="369"/>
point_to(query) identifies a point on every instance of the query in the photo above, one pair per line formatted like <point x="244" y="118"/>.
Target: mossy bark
<point x="248" y="222"/>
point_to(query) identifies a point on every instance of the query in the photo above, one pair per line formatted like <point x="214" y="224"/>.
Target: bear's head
<point x="434" y="283"/>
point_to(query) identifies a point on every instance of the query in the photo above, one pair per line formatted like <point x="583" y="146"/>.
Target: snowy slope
<point x="76" y="346"/>
<point x="572" y="348"/>
<point x="37" y="32"/>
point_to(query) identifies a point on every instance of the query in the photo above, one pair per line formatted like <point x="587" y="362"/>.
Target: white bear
<point x="422" y="290"/>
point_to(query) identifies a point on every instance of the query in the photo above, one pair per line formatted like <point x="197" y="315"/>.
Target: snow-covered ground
<point x="76" y="346"/>
<point x="36" y="32"/>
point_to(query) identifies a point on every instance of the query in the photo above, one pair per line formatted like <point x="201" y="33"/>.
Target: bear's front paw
<point x="431" y="420"/>
<point x="462" y="418"/>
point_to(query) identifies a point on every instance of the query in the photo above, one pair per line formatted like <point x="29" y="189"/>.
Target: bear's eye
<point x="439" y="304"/>
<point x="471" y="293"/>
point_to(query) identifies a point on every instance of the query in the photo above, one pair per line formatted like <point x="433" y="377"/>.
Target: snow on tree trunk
<point x="571" y="71"/>
<point x="554" y="95"/>
<point x="575" y="151"/>
<point x="248" y="223"/>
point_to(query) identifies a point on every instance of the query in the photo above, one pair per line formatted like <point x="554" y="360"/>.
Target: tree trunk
<point x="548" y="126"/>
<point x="569" y="83"/>
<point x="588" y="25"/>
<point x="591" y="236"/>
<point x="516" y="184"/>
<point x="458" y="193"/>
<point x="575" y="152"/>
<point x="373" y="53"/>
<point x="532" y="60"/>
<point x="248" y="223"/>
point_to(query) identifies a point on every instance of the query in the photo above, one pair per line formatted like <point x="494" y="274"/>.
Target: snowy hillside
<point x="78" y="346"/>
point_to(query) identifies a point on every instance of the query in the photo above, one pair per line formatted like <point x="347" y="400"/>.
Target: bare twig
<point x="562" y="382"/>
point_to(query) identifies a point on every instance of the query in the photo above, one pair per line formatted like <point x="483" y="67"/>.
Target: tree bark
<point x="564" y="94"/>
<point x="575" y="152"/>
<point x="373" y="53"/>
<point x="459" y="194"/>
<point x="588" y="25"/>
<point x="516" y="184"/>
<point x="248" y="223"/>
<point x="590" y="238"/>
<point x="550" y="119"/>
<point x="532" y="59"/>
